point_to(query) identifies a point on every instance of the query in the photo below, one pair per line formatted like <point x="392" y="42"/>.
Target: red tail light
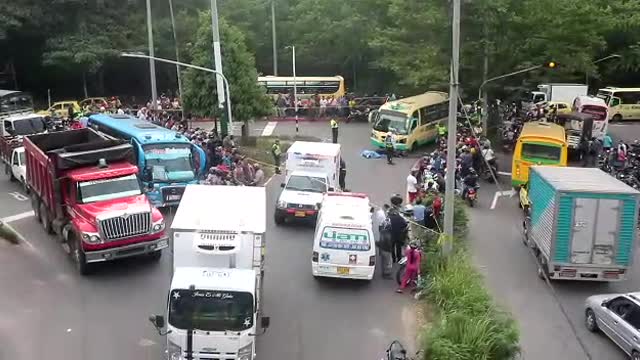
<point x="314" y="258"/>
<point x="372" y="260"/>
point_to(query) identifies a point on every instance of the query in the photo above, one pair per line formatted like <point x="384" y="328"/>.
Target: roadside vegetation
<point x="258" y="149"/>
<point x="466" y="323"/>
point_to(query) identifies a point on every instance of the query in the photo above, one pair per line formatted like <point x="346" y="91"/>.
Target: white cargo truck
<point x="557" y="92"/>
<point x="214" y="301"/>
<point x="312" y="169"/>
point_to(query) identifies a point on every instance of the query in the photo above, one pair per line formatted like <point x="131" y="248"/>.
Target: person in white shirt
<point x="412" y="187"/>
<point x="120" y="111"/>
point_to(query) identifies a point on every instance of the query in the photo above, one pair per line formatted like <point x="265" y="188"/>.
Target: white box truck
<point x="214" y="301"/>
<point x="557" y="92"/>
<point x="312" y="169"/>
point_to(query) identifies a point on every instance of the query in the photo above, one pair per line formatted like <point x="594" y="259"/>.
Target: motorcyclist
<point x="469" y="181"/>
<point x="489" y="156"/>
<point x="466" y="161"/>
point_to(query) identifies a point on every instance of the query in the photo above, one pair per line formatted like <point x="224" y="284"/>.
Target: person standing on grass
<point x="276" y="152"/>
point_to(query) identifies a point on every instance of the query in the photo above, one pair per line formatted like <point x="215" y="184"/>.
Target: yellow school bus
<point x="540" y="143"/>
<point x="413" y="120"/>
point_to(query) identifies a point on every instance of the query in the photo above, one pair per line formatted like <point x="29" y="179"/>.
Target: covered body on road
<point x="582" y="224"/>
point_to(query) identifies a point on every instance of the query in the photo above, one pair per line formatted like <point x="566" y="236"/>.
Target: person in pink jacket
<point x="414" y="256"/>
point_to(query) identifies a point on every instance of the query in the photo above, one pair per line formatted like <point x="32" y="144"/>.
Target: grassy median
<point x="258" y="149"/>
<point x="467" y="324"/>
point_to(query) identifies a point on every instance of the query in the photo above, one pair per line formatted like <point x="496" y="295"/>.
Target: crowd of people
<point x="318" y="106"/>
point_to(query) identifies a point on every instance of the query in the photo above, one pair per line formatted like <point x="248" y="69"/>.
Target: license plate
<point x="300" y="214"/>
<point x="343" y="270"/>
<point x="173" y="197"/>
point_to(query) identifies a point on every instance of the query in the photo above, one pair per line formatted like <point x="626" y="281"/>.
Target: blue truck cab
<point x="582" y="223"/>
<point x="167" y="161"/>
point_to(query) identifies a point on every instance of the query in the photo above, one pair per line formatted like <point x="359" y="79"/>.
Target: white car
<point x="618" y="317"/>
<point x="301" y="195"/>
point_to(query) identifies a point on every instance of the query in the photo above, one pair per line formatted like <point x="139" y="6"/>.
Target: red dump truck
<point x="85" y="189"/>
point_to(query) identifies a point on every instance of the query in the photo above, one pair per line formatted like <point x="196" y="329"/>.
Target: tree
<point x="248" y="100"/>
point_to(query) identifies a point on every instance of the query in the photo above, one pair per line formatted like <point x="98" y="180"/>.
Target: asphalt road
<point x="47" y="309"/>
<point x="510" y="271"/>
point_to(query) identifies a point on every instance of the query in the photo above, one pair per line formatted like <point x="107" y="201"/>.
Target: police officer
<point x="275" y="151"/>
<point x="334" y="130"/>
<point x="442" y="131"/>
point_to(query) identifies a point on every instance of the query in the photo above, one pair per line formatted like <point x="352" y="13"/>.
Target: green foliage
<point x="468" y="325"/>
<point x="248" y="100"/>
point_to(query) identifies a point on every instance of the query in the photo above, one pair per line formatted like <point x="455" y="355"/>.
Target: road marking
<point x="269" y="180"/>
<point x="16" y="217"/>
<point x="504" y="173"/>
<point x="499" y="194"/>
<point x="18" y="196"/>
<point x="268" y="130"/>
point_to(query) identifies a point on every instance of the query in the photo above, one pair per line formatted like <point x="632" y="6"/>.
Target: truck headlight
<point x="174" y="352"/>
<point x="157" y="227"/>
<point x="90" y="237"/>
<point x="281" y="204"/>
<point x="245" y="352"/>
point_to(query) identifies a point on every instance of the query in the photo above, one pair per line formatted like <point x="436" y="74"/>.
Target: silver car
<point x="617" y="316"/>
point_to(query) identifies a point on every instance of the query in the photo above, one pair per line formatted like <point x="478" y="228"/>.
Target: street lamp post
<point x="485" y="106"/>
<point x="152" y="65"/>
<point x="224" y="79"/>
<point x="295" y="84"/>
<point x="612" y="56"/>
<point x="274" y="38"/>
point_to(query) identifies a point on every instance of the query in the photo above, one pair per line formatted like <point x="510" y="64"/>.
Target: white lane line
<point x="269" y="180"/>
<point x="268" y="130"/>
<point x="17" y="217"/>
<point x="499" y="194"/>
<point x="504" y="173"/>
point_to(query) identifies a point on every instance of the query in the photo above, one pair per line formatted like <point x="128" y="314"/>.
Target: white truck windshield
<point x="307" y="183"/>
<point x="208" y="310"/>
<point x="108" y="189"/>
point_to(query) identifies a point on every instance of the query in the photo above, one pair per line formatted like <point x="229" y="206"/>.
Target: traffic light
<point x="550" y="64"/>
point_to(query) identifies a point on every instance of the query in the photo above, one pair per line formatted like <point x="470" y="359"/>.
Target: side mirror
<point x="157" y="321"/>
<point x="265" y="321"/>
<point x="282" y="185"/>
<point x="605" y="303"/>
<point x="146" y="173"/>
<point x="319" y="205"/>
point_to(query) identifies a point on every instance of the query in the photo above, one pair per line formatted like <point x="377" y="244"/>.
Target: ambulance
<point x="343" y="245"/>
<point x="312" y="169"/>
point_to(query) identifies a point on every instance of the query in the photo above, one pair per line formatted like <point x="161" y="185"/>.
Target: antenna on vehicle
<point x="102" y="163"/>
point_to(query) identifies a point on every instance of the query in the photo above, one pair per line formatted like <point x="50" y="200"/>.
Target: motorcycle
<point x="471" y="196"/>
<point x="396" y="351"/>
<point x="490" y="171"/>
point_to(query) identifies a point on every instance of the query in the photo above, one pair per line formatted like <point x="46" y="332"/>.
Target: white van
<point x="343" y="245"/>
<point x="312" y="169"/>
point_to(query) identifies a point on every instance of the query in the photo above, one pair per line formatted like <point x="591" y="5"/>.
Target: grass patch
<point x="9" y="234"/>
<point x="467" y="323"/>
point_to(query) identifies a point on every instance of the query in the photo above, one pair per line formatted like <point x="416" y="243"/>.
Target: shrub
<point x="468" y="325"/>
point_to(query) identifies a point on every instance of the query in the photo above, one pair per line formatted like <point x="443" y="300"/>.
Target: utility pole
<point x="484" y="116"/>
<point x="274" y="43"/>
<point x="175" y="40"/>
<point x="217" y="57"/>
<point x="447" y="245"/>
<point x="152" y="64"/>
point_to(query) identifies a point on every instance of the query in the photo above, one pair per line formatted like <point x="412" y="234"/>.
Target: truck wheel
<point x="44" y="218"/>
<point x="279" y="219"/>
<point x="525" y="233"/>
<point x="7" y="171"/>
<point x="78" y="256"/>
<point x="35" y="205"/>
<point x="542" y="267"/>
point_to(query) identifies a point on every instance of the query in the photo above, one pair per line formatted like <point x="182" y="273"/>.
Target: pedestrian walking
<point x="334" y="130"/>
<point x="384" y="242"/>
<point x="276" y="152"/>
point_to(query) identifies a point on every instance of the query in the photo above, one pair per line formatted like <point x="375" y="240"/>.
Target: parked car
<point x="60" y="109"/>
<point x="618" y="317"/>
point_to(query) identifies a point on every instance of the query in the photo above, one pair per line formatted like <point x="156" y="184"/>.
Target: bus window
<point x="614" y="101"/>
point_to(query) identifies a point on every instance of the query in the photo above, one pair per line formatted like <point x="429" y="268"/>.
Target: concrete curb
<point x="8" y="233"/>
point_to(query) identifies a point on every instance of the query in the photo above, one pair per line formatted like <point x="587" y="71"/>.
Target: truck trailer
<point x="215" y="296"/>
<point x="84" y="189"/>
<point x="582" y="223"/>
